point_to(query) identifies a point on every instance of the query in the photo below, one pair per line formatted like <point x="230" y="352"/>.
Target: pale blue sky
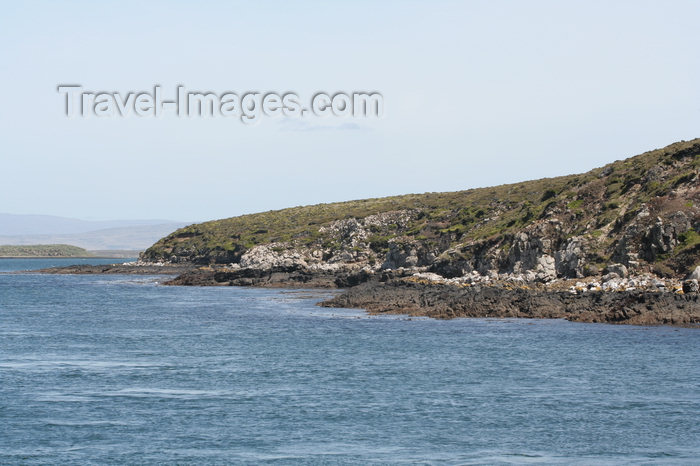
<point x="476" y="94"/>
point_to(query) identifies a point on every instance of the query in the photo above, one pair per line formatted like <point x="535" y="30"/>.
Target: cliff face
<point x="635" y="216"/>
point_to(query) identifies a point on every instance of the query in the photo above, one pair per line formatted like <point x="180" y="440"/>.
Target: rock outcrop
<point x="599" y="246"/>
<point x="632" y="226"/>
<point x="630" y="218"/>
<point x="417" y="298"/>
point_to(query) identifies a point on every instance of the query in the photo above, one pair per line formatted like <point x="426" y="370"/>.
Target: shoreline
<point x="440" y="301"/>
<point x="394" y="293"/>
<point x="113" y="269"/>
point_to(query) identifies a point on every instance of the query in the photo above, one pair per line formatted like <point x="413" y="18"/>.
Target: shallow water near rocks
<point x="106" y="369"/>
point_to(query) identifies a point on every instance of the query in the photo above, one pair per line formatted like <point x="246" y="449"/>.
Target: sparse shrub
<point x="573" y="205"/>
<point x="688" y="239"/>
<point x="548" y="194"/>
<point x="683" y="179"/>
<point x="663" y="270"/>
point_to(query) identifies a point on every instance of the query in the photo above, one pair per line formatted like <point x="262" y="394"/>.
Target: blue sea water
<point x="21" y="264"/>
<point x="118" y="369"/>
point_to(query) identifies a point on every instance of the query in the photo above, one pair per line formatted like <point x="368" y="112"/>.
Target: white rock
<point x="695" y="275"/>
<point x="433" y="277"/>
<point x="264" y="257"/>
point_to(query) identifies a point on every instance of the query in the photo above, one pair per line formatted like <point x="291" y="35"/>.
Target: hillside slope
<point x="642" y="213"/>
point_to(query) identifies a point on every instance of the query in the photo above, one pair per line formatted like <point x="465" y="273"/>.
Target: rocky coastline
<point x="639" y="300"/>
<point x="635" y="300"/>
<point x="128" y="268"/>
<point x="445" y="301"/>
<point x="620" y="243"/>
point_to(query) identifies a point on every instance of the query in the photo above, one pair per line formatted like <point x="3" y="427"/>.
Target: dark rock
<point x="111" y="269"/>
<point x="446" y="301"/>
<point x="690" y="286"/>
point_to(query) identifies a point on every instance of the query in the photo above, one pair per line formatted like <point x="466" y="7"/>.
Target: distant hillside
<point x="135" y="237"/>
<point x="15" y="225"/>
<point x="43" y="250"/>
<point x="642" y="212"/>
<point x="114" y="253"/>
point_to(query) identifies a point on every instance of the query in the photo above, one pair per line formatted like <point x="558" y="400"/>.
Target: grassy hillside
<point x="597" y="205"/>
<point x="43" y="250"/>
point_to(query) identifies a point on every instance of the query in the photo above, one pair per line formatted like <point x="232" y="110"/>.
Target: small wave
<point x="76" y="364"/>
<point x="64" y="398"/>
<point x="164" y="393"/>
<point x="65" y="423"/>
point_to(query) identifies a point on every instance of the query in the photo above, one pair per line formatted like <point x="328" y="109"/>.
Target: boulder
<point x="570" y="259"/>
<point x="662" y="237"/>
<point x="612" y="285"/>
<point x="407" y="253"/>
<point x="695" y="274"/>
<point x="618" y="269"/>
<point x="545" y="269"/>
<point x="690" y="286"/>
<point x="400" y="255"/>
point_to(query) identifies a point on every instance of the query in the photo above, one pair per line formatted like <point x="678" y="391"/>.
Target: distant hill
<point x="642" y="212"/>
<point x="114" y="253"/>
<point x="91" y="235"/>
<point x="13" y="225"/>
<point x="43" y="250"/>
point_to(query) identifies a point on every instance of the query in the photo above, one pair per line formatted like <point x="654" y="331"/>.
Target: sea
<point x="119" y="369"/>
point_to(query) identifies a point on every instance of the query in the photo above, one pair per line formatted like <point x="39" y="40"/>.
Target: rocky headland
<point x="620" y="243"/>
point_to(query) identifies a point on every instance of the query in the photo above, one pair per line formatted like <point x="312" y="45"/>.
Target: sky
<point x="476" y="93"/>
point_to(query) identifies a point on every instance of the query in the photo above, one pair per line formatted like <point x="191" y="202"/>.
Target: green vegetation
<point x="458" y="213"/>
<point x="43" y="250"/>
<point x="606" y="198"/>
<point x="573" y="205"/>
<point x="686" y="241"/>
